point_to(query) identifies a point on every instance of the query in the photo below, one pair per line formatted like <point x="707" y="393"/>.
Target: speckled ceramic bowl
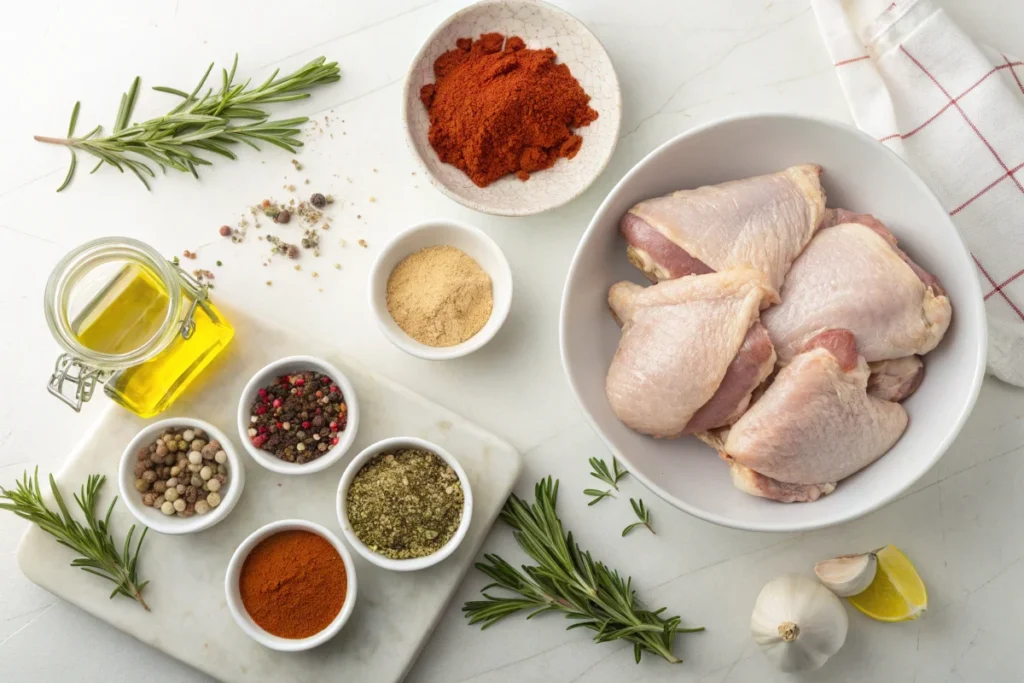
<point x="540" y="25"/>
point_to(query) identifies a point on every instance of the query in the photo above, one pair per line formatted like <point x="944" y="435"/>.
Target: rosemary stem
<point x="53" y="141"/>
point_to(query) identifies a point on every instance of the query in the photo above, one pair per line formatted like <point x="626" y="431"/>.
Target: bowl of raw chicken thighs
<point x="774" y="324"/>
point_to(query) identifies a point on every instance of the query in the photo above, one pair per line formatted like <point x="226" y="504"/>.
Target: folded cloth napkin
<point x="954" y="111"/>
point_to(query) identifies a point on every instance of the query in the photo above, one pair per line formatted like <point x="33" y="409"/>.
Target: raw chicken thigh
<point x="853" y="276"/>
<point x="761" y="223"/>
<point x="895" y="380"/>
<point x="691" y="353"/>
<point x="814" y="426"/>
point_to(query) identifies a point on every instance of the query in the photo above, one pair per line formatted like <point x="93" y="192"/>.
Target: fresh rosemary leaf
<point x="93" y="541"/>
<point x="598" y="494"/>
<point x="608" y="476"/>
<point x="207" y="122"/>
<point x="567" y="579"/>
<point x="642" y="513"/>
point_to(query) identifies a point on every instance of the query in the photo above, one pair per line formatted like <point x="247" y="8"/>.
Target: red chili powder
<point x="499" y="108"/>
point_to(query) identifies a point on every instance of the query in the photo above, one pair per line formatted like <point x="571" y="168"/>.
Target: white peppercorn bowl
<point x="477" y="245"/>
<point x="172" y="524"/>
<point x="234" y="595"/>
<point x="416" y="563"/>
<point x="286" y="366"/>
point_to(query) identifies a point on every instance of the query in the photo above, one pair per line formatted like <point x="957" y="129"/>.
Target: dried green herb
<point x="567" y="579"/>
<point x="405" y="504"/>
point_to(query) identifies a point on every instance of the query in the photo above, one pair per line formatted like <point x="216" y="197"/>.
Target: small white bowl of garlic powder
<point x="440" y="290"/>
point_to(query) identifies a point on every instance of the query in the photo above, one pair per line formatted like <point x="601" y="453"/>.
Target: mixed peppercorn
<point x="298" y="417"/>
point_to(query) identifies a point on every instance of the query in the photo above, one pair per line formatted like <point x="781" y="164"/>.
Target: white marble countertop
<point x="680" y="63"/>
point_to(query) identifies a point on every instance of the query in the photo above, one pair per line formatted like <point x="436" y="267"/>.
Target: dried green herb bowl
<point x="416" y="563"/>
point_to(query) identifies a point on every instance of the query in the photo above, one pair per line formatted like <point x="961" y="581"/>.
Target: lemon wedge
<point x="897" y="592"/>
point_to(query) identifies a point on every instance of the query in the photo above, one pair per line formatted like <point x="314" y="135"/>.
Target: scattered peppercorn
<point x="298" y="417"/>
<point x="283" y="216"/>
<point x="219" y="262"/>
<point x="225" y="231"/>
<point x="318" y="200"/>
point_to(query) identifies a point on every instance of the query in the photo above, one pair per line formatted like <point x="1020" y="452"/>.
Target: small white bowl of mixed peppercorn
<point x="180" y="475"/>
<point x="298" y="415"/>
<point x="404" y="504"/>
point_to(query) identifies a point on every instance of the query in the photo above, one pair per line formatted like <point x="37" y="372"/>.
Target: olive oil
<point x="130" y="310"/>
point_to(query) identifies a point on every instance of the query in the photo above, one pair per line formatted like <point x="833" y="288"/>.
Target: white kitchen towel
<point x="955" y="112"/>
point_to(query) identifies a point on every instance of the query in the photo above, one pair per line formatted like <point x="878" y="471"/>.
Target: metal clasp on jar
<point x="71" y="371"/>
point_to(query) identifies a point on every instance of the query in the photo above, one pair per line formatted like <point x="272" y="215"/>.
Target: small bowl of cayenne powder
<point x="404" y="504"/>
<point x="298" y="415"/>
<point x="291" y="585"/>
<point x="440" y="290"/>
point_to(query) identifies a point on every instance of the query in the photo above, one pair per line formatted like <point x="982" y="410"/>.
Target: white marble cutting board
<point x="395" y="612"/>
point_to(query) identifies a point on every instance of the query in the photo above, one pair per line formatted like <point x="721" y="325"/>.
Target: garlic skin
<point x="798" y="623"/>
<point x="848" y="575"/>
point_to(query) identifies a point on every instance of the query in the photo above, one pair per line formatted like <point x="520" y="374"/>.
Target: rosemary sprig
<point x="642" y="513"/>
<point x="199" y="123"/>
<point x="100" y="555"/>
<point x="567" y="579"/>
<point x="598" y="494"/>
<point x="608" y="476"/>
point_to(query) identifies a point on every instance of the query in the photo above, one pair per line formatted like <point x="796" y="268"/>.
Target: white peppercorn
<point x="188" y="435"/>
<point x="221" y="457"/>
<point x="172" y="494"/>
<point x="172" y="482"/>
<point x="213" y="499"/>
<point x="202" y="507"/>
<point x="167" y="508"/>
<point x="205" y="473"/>
<point x="196" y="481"/>
<point x="195" y="458"/>
<point x="179" y="505"/>
<point x="213" y="485"/>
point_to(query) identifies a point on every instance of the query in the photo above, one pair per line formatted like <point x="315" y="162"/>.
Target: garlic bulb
<point x="848" y="575"/>
<point x="798" y="623"/>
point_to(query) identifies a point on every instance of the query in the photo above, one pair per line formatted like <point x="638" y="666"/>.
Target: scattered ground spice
<point x="363" y="243"/>
<point x="405" y="504"/>
<point x="298" y="417"/>
<point x="498" y="108"/>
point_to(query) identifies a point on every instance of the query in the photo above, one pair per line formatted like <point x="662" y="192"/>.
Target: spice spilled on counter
<point x="439" y="296"/>
<point x="293" y="584"/>
<point x="498" y="108"/>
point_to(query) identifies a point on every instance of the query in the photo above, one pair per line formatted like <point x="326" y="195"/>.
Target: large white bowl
<point x="541" y="25"/>
<point x="859" y="174"/>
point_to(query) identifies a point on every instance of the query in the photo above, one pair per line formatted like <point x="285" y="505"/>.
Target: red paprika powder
<point x="498" y="108"/>
<point x="293" y="584"/>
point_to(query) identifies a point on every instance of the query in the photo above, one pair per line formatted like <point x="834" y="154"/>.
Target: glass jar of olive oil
<point x="131" y="320"/>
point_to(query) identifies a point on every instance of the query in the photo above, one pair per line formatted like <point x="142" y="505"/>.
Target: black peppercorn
<point x="283" y="217"/>
<point x="318" y="200"/>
